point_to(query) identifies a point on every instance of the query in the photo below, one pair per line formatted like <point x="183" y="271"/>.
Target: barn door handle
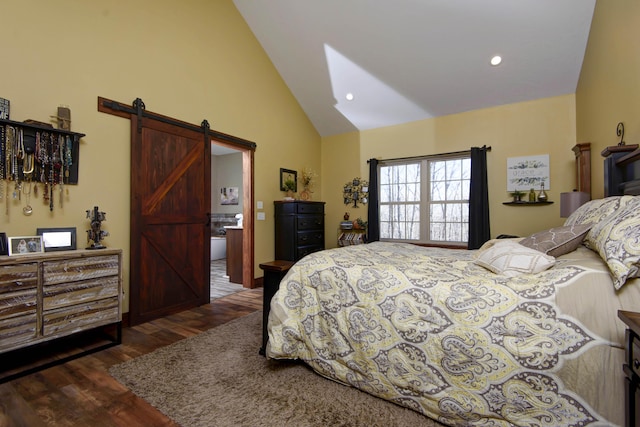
<point x="208" y="224"/>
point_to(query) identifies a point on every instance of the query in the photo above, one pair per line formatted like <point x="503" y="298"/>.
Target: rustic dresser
<point x="50" y="295"/>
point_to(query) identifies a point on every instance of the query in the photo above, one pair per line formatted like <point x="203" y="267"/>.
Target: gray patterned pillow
<point x="557" y="241"/>
<point x="617" y="241"/>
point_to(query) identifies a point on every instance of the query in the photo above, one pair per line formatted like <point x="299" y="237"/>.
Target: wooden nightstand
<point x="274" y="272"/>
<point x="631" y="367"/>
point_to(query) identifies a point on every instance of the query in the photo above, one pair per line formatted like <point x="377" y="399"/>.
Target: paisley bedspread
<point x="428" y="329"/>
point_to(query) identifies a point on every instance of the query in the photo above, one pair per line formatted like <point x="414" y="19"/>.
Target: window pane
<point x="438" y="191"/>
<point x="466" y="168"/>
<point x="454" y="212"/>
<point x="437" y="231"/>
<point x="454" y="169"/>
<point x="437" y="212"/>
<point x="437" y="171"/>
<point x="454" y="192"/>
<point x="454" y="232"/>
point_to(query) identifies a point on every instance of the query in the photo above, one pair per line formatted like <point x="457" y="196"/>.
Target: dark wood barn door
<point x="170" y="211"/>
<point x="170" y="204"/>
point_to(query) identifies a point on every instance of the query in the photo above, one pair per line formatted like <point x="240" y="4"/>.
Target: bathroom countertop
<point x="233" y="227"/>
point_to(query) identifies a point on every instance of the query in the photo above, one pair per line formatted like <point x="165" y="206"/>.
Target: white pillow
<point x="511" y="259"/>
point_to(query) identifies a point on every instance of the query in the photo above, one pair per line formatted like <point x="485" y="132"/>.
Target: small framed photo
<point x="23" y="245"/>
<point x="288" y="180"/>
<point x="4" y="250"/>
<point x="58" y="239"/>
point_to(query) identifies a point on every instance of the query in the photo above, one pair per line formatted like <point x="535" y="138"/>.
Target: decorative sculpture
<point x="96" y="234"/>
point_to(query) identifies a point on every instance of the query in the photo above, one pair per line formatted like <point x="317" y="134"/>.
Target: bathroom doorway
<point x="230" y="199"/>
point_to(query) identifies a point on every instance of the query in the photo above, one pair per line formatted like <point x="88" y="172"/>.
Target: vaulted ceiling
<point x="407" y="60"/>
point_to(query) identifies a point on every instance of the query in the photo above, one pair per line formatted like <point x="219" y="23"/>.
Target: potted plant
<point x="517" y="195"/>
<point x="290" y="187"/>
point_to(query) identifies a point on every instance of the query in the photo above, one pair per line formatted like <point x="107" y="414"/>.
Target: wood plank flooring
<point x="82" y="393"/>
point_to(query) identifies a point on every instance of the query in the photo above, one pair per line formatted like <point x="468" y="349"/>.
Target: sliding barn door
<point x="170" y="228"/>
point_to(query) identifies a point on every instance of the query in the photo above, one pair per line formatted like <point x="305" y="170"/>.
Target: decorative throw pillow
<point x="557" y="241"/>
<point x="596" y="210"/>
<point x="589" y="240"/>
<point x="617" y="241"/>
<point x="511" y="259"/>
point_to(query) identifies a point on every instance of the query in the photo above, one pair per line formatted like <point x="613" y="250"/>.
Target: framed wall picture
<point x="288" y="180"/>
<point x="524" y="173"/>
<point x="4" y="249"/>
<point x="58" y="239"/>
<point x="23" y="245"/>
<point x="229" y="196"/>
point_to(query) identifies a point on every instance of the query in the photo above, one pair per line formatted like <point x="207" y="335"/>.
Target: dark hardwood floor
<point x="82" y="393"/>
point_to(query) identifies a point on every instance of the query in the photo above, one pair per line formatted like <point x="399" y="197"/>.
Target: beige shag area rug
<point x="217" y="378"/>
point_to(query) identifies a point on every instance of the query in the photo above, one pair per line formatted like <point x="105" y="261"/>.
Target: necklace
<point x="27" y="210"/>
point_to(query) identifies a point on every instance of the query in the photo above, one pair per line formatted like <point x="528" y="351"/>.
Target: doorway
<point x="232" y="176"/>
<point x="227" y="216"/>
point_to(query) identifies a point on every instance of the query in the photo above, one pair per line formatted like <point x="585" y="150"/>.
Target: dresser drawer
<point x="306" y="250"/>
<point x="80" y="269"/>
<point x="17" y="303"/>
<point x="15" y="331"/>
<point x="78" y="317"/>
<point x="310" y="208"/>
<point x="310" y="238"/>
<point x="310" y="222"/>
<point x="64" y="294"/>
<point x="18" y="277"/>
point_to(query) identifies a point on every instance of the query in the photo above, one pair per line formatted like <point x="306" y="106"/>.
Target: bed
<point x="520" y="332"/>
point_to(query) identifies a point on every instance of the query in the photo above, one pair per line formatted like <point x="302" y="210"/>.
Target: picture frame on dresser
<point x="24" y="245"/>
<point x="58" y="239"/>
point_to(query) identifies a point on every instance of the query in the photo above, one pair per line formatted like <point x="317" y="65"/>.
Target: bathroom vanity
<point x="234" y="254"/>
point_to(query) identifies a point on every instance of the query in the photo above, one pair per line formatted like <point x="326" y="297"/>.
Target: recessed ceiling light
<point x="496" y="60"/>
<point x="349" y="96"/>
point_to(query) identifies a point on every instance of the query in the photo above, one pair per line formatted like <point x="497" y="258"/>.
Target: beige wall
<point x="545" y="126"/>
<point x="192" y="60"/>
<point x="609" y="87"/>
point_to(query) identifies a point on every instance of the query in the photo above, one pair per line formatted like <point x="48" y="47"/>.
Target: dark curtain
<point x="373" y="211"/>
<point x="479" y="231"/>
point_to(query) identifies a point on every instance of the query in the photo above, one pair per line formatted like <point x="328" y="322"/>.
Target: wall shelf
<point x="526" y="203"/>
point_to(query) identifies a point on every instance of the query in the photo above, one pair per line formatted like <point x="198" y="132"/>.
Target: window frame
<point x="425" y="198"/>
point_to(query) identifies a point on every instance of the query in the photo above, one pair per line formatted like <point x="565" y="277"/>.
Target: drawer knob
<point x="19" y="283"/>
<point x="636" y="363"/>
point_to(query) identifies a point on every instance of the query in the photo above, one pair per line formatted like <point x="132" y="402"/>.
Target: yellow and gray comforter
<point x="428" y="329"/>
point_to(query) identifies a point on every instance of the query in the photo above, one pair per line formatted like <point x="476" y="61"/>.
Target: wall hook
<point x="620" y="133"/>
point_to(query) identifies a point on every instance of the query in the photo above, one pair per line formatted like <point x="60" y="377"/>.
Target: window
<point x="425" y="200"/>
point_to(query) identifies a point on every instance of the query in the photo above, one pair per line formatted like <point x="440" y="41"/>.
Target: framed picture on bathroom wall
<point x="229" y="195"/>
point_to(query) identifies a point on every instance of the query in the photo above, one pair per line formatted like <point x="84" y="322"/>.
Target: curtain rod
<point x="430" y="155"/>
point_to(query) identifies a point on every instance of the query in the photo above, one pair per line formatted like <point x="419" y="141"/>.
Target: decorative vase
<point x="305" y="194"/>
<point x="542" y="196"/>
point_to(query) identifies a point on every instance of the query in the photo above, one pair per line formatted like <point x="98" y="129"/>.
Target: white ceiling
<point x="407" y="60"/>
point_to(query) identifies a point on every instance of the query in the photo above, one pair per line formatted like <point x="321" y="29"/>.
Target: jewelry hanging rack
<point x="33" y="153"/>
